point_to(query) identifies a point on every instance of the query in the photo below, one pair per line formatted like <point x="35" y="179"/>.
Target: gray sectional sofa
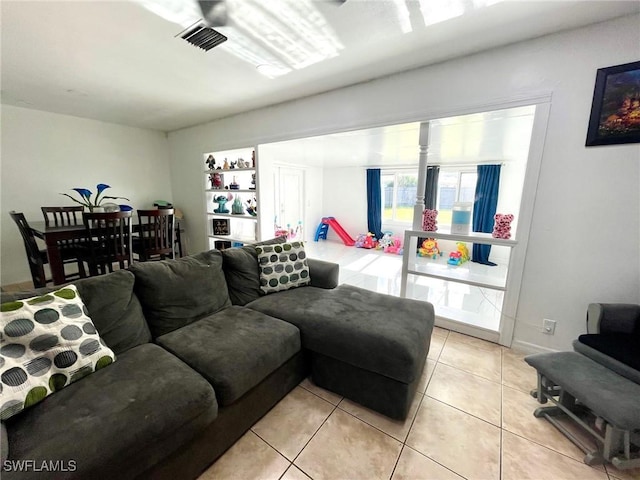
<point x="201" y="354"/>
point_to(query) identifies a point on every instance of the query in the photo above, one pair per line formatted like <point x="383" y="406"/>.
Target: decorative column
<point x="418" y="208"/>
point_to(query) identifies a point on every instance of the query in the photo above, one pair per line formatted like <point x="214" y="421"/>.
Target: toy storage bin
<point x="461" y="217"/>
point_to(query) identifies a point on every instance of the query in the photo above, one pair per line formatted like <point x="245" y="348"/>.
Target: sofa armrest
<point x="323" y="274"/>
<point x="613" y="318"/>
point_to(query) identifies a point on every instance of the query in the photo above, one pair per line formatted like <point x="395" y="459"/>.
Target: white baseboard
<point x="530" y="348"/>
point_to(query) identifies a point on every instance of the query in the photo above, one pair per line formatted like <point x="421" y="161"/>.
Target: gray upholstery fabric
<point x="113" y="307"/>
<point x="606" y="393"/>
<point x="117" y="422"/>
<point x="377" y="392"/>
<point x="380" y="333"/>
<point x="175" y="293"/>
<point x="323" y="274"/>
<point x="115" y="310"/>
<point x="613" y="318"/>
<point x="241" y="271"/>
<point x="609" y="362"/>
<point x="4" y="442"/>
<point x="234" y="349"/>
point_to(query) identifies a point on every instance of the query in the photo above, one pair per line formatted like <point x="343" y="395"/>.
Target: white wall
<point x="587" y="203"/>
<point x="45" y="154"/>
<point x="345" y="198"/>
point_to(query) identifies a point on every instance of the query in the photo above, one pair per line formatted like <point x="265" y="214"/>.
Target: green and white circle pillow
<point x="282" y="266"/>
<point x="46" y="343"/>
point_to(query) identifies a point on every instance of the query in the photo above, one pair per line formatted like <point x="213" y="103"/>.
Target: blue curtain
<point x="484" y="208"/>
<point x="374" y="202"/>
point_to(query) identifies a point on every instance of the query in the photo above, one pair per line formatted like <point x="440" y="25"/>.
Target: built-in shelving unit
<point x="495" y="278"/>
<point x="224" y="227"/>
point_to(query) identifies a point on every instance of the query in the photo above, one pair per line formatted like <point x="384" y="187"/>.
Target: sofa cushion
<point x="175" y="293"/>
<point x="242" y="273"/>
<point x="119" y="421"/>
<point x="380" y="333"/>
<point x="47" y="342"/>
<point x="282" y="266"/>
<point x="113" y="307"/>
<point x="234" y="349"/>
<point x="115" y="310"/>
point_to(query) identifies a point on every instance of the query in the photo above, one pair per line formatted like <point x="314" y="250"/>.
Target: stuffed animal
<point x="502" y="226"/>
<point x="429" y="248"/>
<point x="385" y="241"/>
<point x="429" y="222"/>
<point x="395" y="247"/>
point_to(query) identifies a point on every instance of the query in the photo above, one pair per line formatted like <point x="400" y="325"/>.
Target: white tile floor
<point x="472" y="416"/>
<point x="381" y="272"/>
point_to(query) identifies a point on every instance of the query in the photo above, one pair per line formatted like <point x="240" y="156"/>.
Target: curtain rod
<point x="441" y="165"/>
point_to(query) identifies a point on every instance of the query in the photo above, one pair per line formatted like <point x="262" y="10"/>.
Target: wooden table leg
<point x="55" y="262"/>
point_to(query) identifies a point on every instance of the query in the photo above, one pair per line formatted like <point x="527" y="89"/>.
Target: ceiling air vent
<point x="203" y="37"/>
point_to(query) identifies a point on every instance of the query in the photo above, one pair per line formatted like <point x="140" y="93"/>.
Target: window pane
<point x="467" y="186"/>
<point x="406" y="196"/>
<point x="387" y="182"/>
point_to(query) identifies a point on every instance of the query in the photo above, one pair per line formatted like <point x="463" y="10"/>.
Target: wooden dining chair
<point x="108" y="241"/>
<point x="61" y="216"/>
<point x="37" y="257"/>
<point x="156" y="235"/>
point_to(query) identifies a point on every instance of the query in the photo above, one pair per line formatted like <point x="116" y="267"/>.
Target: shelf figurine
<point x="252" y="208"/>
<point x="225" y="165"/>
<point x="211" y="162"/>
<point x="216" y="181"/>
<point x="253" y="159"/>
<point x="241" y="163"/>
<point x="222" y="200"/>
<point x="234" y="185"/>
<point x="253" y="182"/>
<point x="236" y="207"/>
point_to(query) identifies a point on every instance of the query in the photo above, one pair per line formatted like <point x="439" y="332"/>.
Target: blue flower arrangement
<point x="85" y="196"/>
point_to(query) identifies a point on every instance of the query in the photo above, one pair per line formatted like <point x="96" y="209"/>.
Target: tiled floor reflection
<point x="470" y="420"/>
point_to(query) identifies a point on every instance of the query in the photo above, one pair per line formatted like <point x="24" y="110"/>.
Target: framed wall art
<point x="615" y="111"/>
<point x="221" y="226"/>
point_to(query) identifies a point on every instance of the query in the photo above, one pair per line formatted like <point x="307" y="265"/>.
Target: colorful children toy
<point x="429" y="222"/>
<point x="365" y="241"/>
<point x="385" y="241"/>
<point x="460" y="256"/>
<point x="429" y="249"/>
<point x="395" y="247"/>
<point x="502" y="226"/>
<point x="222" y="200"/>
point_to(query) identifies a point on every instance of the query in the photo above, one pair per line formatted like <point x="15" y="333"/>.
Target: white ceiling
<point x="117" y="62"/>
<point x="501" y="135"/>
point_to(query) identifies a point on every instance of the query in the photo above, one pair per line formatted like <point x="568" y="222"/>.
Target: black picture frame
<point x="221" y="226"/>
<point x="615" y="110"/>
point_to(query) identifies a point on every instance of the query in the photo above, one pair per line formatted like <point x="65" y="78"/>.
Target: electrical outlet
<point x="548" y="326"/>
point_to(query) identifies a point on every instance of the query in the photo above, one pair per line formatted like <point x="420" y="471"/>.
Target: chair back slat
<point x="109" y="238"/>
<point x="156" y="228"/>
<point x="62" y="216"/>
<point x="35" y="258"/>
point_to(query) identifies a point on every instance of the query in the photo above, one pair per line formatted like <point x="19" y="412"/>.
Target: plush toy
<point x="369" y="242"/>
<point x="429" y="248"/>
<point x="395" y="247"/>
<point x="502" y="226"/>
<point x="360" y="241"/>
<point x="385" y="241"/>
<point x="429" y="222"/>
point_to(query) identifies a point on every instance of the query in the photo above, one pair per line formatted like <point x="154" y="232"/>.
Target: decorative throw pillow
<point x="46" y="343"/>
<point x="282" y="266"/>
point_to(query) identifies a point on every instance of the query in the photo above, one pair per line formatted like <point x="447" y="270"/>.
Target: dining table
<point x="52" y="235"/>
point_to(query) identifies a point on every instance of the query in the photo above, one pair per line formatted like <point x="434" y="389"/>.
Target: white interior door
<point x="289" y="199"/>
